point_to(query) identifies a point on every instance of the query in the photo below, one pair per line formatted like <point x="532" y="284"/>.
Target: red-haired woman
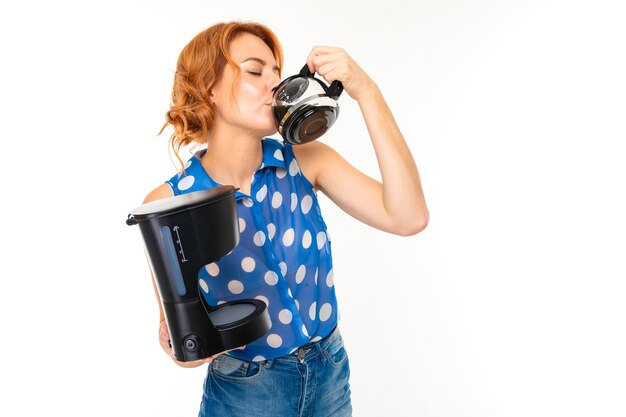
<point x="221" y="99"/>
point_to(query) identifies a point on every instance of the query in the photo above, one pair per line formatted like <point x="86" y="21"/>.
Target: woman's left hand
<point x="335" y="64"/>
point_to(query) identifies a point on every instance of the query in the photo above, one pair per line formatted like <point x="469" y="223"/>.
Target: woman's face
<point x="252" y="108"/>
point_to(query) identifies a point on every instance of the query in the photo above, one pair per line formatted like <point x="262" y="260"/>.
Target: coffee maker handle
<point x="334" y="90"/>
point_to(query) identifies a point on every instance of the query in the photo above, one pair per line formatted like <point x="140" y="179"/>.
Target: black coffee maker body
<point x="182" y="234"/>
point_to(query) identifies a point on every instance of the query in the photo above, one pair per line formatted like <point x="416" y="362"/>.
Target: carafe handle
<point x="334" y="90"/>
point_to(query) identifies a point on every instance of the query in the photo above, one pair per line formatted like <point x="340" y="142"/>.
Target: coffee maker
<point x="182" y="234"/>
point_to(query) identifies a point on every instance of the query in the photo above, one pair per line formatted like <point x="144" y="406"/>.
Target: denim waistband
<point x="309" y="350"/>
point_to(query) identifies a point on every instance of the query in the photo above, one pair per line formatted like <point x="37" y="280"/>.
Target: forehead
<point x="246" y="45"/>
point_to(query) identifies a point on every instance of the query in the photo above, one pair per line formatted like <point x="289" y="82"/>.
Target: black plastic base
<point x="192" y="340"/>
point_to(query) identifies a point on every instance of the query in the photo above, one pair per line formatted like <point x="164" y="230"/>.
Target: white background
<point x="510" y="303"/>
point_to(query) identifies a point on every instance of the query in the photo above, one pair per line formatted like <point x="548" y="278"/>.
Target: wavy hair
<point x="198" y="69"/>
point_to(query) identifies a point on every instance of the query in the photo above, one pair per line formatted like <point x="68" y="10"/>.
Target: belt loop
<point x="318" y="347"/>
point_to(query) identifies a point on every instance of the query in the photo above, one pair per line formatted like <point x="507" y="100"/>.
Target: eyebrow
<point x="260" y="61"/>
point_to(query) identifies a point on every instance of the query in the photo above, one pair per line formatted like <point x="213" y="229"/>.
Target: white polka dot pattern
<point x="274" y="340"/>
<point x="259" y="238"/>
<point x="280" y="173"/>
<point x="307" y="202"/>
<point x="300" y="274"/>
<point x="306" y="239"/>
<point x="186" y="183"/>
<point x="260" y="195"/>
<point x="325" y="311"/>
<point x="288" y="237"/>
<point x="271" y="278"/>
<point x="212" y="269"/>
<point x="293" y="168"/>
<point x="271" y="230"/>
<point x="285" y="316"/>
<point x="236" y="287"/>
<point x="248" y="264"/>
<point x="277" y="199"/>
<point x="313" y="310"/>
<point x="321" y="240"/>
<point x="294" y="201"/>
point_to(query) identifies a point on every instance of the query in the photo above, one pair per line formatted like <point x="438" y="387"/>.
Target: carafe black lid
<point x="180" y="203"/>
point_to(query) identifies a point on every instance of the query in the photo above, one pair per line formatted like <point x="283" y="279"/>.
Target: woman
<point x="222" y="98"/>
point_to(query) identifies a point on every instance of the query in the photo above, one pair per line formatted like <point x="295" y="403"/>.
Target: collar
<point x="273" y="153"/>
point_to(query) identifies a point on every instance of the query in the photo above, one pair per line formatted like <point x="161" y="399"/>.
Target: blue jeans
<point x="311" y="382"/>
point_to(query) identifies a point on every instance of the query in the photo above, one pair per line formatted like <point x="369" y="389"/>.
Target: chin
<point x="269" y="131"/>
<point x="263" y="128"/>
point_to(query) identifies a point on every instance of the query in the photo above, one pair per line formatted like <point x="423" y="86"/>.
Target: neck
<point x="232" y="155"/>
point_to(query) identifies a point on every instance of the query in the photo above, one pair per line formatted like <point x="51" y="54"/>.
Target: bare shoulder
<point x="312" y="158"/>
<point x="162" y="191"/>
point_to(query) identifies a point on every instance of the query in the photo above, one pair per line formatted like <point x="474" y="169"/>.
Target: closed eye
<point x="258" y="74"/>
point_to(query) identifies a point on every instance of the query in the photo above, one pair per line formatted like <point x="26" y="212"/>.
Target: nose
<point x="274" y="83"/>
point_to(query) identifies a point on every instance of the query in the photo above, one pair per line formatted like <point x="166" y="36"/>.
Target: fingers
<point x="164" y="333"/>
<point x="322" y="51"/>
<point x="331" y="72"/>
<point x="333" y="59"/>
<point x="331" y="63"/>
<point x="164" y="338"/>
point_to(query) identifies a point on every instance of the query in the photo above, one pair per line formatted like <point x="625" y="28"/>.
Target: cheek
<point x="253" y="96"/>
<point x="250" y="91"/>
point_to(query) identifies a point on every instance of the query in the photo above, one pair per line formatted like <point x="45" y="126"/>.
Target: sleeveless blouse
<point x="283" y="257"/>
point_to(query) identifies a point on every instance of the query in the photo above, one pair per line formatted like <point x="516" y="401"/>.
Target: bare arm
<point x="402" y="194"/>
<point x="396" y="205"/>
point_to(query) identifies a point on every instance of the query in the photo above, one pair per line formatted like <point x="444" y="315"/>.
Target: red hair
<point x="198" y="69"/>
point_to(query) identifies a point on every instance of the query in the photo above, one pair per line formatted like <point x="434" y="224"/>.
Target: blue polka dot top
<point x="283" y="257"/>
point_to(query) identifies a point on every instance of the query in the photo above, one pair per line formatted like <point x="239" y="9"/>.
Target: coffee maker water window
<point x="172" y="261"/>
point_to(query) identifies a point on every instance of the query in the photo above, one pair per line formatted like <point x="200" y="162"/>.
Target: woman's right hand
<point x="164" y="340"/>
